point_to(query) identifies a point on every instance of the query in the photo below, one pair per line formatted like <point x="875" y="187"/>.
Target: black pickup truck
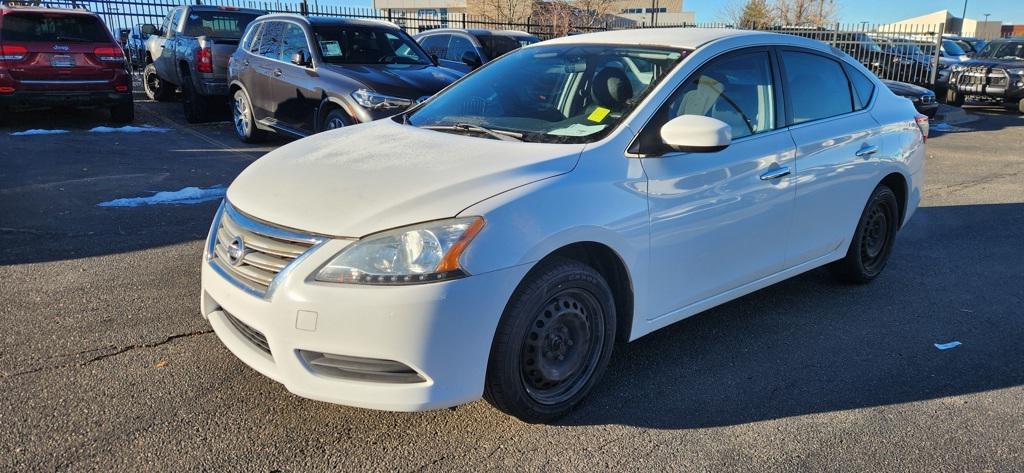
<point x="996" y="74"/>
<point x="190" y="50"/>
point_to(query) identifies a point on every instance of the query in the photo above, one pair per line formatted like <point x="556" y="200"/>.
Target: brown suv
<point x="300" y="75"/>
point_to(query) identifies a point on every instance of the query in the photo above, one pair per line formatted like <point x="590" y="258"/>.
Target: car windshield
<point x="218" y="24"/>
<point x="1004" y="50"/>
<point x="367" y="45"/>
<point x="496" y="45"/>
<point x="555" y="93"/>
<point x="906" y="49"/>
<point x="952" y="49"/>
<point x="53" y="27"/>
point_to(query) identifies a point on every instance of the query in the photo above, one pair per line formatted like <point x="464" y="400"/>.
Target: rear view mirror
<point x="148" y="29"/>
<point x="300" y="59"/>
<point x="471" y="59"/>
<point x="696" y="134"/>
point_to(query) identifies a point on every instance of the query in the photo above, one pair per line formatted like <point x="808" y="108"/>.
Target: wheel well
<point x="898" y="184"/>
<point x="608" y="263"/>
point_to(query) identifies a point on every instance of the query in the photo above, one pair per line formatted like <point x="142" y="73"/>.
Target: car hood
<point x="992" y="63"/>
<point x="362" y="179"/>
<point x="411" y="81"/>
<point x="905" y="89"/>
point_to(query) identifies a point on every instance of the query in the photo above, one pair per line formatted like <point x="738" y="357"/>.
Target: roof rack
<point x="62" y="5"/>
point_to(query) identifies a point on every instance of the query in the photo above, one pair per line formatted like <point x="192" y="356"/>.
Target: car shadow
<point x="811" y="345"/>
<point x="990" y="117"/>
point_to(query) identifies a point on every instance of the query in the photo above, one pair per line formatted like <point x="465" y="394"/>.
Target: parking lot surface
<point x="106" y="363"/>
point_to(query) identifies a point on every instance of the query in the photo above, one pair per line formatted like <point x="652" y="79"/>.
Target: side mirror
<point x="148" y="29"/>
<point x="471" y="59"/>
<point x="300" y="59"/>
<point x="696" y="134"/>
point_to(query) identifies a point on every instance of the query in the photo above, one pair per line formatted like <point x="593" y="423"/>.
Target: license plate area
<point x="62" y="60"/>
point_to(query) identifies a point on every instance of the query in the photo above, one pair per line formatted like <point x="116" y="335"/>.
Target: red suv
<point x="51" y="57"/>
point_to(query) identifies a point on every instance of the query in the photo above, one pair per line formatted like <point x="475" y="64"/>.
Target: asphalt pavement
<point x="105" y="362"/>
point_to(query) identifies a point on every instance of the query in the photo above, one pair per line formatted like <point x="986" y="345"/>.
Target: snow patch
<point x="946" y="127"/>
<point x="129" y="129"/>
<point x="188" y="195"/>
<point x="947" y="346"/>
<point x="38" y="131"/>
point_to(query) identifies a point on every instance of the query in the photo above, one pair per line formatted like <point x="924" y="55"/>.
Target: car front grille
<point x="983" y="76"/>
<point x="252" y="254"/>
<point x="254" y="336"/>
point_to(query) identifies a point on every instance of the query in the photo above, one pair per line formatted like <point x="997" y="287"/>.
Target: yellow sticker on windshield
<point x="597" y="116"/>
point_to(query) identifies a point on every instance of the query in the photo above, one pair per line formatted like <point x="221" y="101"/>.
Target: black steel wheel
<point x="873" y="240"/>
<point x="155" y="87"/>
<point x="553" y="342"/>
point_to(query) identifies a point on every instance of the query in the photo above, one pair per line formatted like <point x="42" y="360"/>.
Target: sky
<point x="888" y="11"/>
<point x="850" y="11"/>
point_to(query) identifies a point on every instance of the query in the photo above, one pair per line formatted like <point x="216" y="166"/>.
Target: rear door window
<point x="270" y="39"/>
<point x="817" y="86"/>
<point x="863" y="86"/>
<point x="48" y="27"/>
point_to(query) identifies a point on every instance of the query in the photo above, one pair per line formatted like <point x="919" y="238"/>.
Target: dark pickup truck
<point x="190" y="51"/>
<point x="996" y="74"/>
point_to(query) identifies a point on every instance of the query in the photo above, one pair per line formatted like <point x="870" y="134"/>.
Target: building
<point x="1010" y="31"/>
<point x="962" y="26"/>
<point x="619" y="13"/>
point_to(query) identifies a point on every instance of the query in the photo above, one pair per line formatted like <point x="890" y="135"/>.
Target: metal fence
<point x="907" y="53"/>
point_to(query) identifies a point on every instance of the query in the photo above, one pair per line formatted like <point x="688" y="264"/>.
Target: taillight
<point x="11" y="52"/>
<point x="109" y="54"/>
<point x="204" y="60"/>
<point x="923" y="125"/>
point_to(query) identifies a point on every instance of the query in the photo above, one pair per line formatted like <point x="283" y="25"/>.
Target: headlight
<point x="957" y="68"/>
<point x="417" y="254"/>
<point x="375" y="101"/>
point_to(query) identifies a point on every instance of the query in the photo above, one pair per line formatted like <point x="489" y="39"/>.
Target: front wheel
<point x="872" y="241"/>
<point x="553" y="342"/>
<point x="954" y="98"/>
<point x="335" y="119"/>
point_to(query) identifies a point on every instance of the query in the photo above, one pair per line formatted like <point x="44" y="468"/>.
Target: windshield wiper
<point x="496" y="134"/>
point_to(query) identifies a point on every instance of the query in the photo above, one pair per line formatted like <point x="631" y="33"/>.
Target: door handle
<point x="775" y="173"/>
<point x="278" y="72"/>
<point x="867" y="151"/>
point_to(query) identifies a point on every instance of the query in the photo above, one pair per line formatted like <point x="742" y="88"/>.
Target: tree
<point x="806" y="12"/>
<point x="755" y="13"/>
<point x="505" y="11"/>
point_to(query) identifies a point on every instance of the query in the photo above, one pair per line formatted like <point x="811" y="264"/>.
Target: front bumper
<point x="212" y="87"/>
<point x="29" y="99"/>
<point x="441" y="330"/>
<point x="1012" y="90"/>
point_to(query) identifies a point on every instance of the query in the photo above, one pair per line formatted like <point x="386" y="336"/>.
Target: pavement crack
<point x="114" y="351"/>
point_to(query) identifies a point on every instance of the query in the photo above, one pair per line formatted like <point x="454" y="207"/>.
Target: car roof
<point x="225" y="9"/>
<point x="685" y="38"/>
<point x="476" y="32"/>
<point x="331" y="20"/>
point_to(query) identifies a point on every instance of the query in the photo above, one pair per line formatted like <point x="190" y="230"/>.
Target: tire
<point x="553" y="342"/>
<point x="156" y="88"/>
<point x="336" y="118"/>
<point x="123" y="113"/>
<point x="243" y="119"/>
<point x="873" y="240"/>
<point x="955" y="99"/>
<point x="196" y="105"/>
<point x="1020" y="106"/>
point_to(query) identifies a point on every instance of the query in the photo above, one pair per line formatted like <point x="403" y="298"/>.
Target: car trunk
<point x="49" y="51"/>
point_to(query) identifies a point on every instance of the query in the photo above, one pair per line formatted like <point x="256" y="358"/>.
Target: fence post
<point x="304" y="8"/>
<point x="835" y="35"/>
<point x="938" y="52"/>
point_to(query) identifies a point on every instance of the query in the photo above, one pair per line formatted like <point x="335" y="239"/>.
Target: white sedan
<point x="497" y="240"/>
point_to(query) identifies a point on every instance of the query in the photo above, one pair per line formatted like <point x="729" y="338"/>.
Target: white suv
<point x="498" y="239"/>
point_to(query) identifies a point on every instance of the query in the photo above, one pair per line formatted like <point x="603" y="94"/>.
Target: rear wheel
<point x="243" y="118"/>
<point x="123" y="113"/>
<point x="873" y="240"/>
<point x="196" y="105"/>
<point x="156" y="88"/>
<point x="553" y="342"/>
